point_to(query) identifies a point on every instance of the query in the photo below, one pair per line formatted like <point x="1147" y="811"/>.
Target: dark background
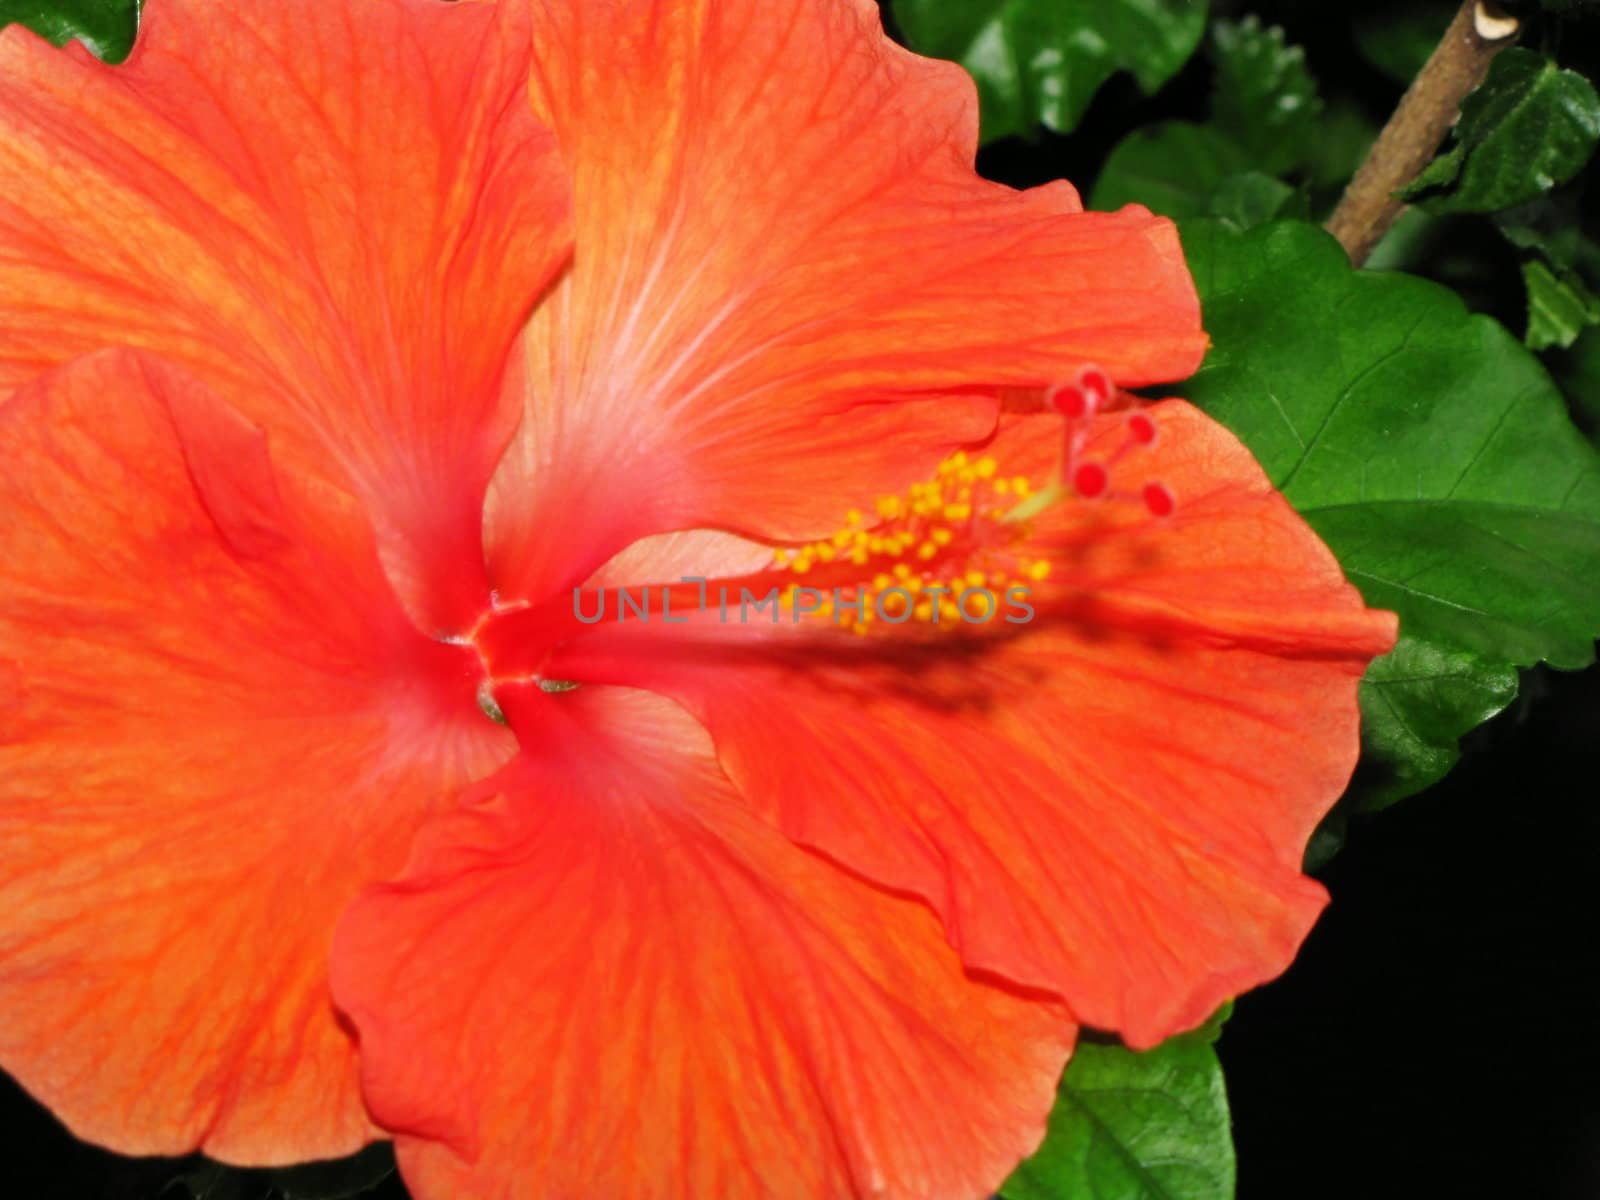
<point x="1439" y="1035"/>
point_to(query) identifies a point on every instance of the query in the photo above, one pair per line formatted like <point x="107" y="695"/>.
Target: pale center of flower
<point x="957" y="551"/>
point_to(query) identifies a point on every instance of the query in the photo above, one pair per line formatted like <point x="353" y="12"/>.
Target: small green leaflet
<point x="1530" y="127"/>
<point x="1042" y="61"/>
<point x="1126" y="1126"/>
<point x="106" y="27"/>
<point x="1263" y="97"/>
<point x="1560" y="305"/>
<point x="1264" y="109"/>
<point x="1432" y="453"/>
<point x="1560" y="270"/>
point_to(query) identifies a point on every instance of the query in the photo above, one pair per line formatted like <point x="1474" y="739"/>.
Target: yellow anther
<point x="942" y="536"/>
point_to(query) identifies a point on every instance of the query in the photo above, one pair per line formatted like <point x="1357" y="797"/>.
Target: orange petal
<point x="786" y="263"/>
<point x="220" y="726"/>
<point x="611" y="979"/>
<point x="335" y="213"/>
<point x="1113" y="801"/>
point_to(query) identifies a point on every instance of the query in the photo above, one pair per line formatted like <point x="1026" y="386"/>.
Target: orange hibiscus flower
<point x="354" y="350"/>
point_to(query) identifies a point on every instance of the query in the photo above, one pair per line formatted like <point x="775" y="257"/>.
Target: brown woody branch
<point x="1429" y="108"/>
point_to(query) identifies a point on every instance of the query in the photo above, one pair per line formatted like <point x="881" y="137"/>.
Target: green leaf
<point x="1530" y="127"/>
<point x="1181" y="170"/>
<point x="1042" y="61"/>
<point x="1251" y="198"/>
<point x="1263" y="97"/>
<point x="1173" y="168"/>
<point x="1431" y="452"/>
<point x="1560" y="306"/>
<point x="1416" y="705"/>
<point x="106" y="27"/>
<point x="1126" y="1126"/>
<point x="1399" y="38"/>
<point x="1561" y="270"/>
<point x="1264" y="105"/>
